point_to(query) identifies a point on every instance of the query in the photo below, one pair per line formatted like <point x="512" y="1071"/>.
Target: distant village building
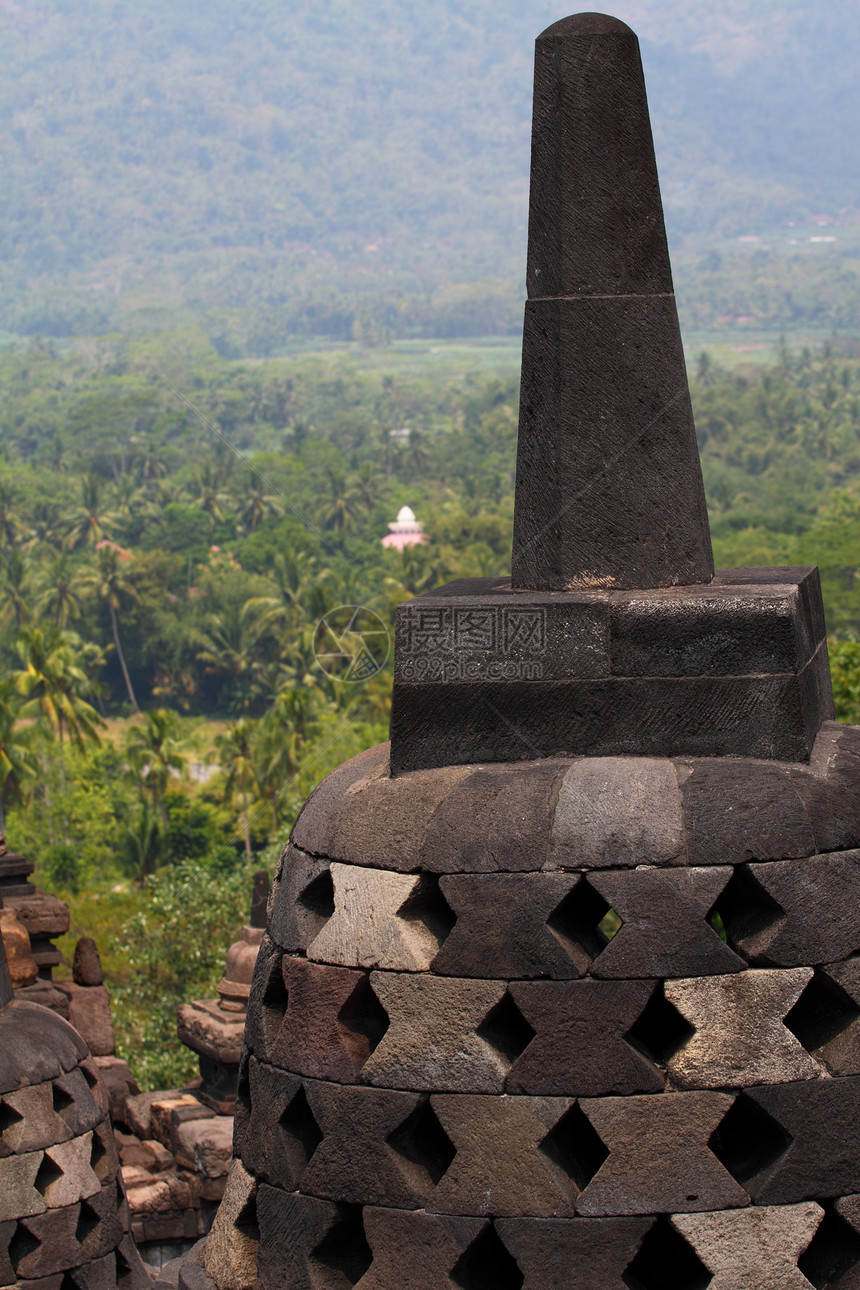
<point x="405" y="531"/>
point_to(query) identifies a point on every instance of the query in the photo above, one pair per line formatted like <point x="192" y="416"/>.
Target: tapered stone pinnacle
<point x="609" y="486"/>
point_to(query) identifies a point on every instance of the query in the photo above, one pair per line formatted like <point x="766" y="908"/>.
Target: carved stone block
<point x="435" y="1040"/>
<point x="306" y="1244"/>
<point x="505" y="927"/>
<point x="580" y="1046"/>
<point x="367" y="1154"/>
<point x="585" y="1253"/>
<point x="664" y="929"/>
<point x="50" y="1244"/>
<point x="820" y="903"/>
<point x="302" y="899"/>
<point x="819" y="1155"/>
<point x="760" y="1242"/>
<point x="740" y="1036"/>
<point x="19" y="1195"/>
<point x="659" y="1159"/>
<point x="736" y="810"/>
<point x="66" y="1174"/>
<point x="376" y="923"/>
<point x="417" y="1251"/>
<point x="505" y="1162"/>
<point x="828" y="789"/>
<point x="32" y="1122"/>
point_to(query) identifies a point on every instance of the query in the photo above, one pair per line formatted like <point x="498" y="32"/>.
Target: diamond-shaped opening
<point x="506" y="1029"/>
<point x="301" y="1135"/>
<point x="243" y="1085"/>
<point x="22" y="1244"/>
<point x="8" y="1117"/>
<point x="274" y="1001"/>
<point x="424" y="1148"/>
<point x="822" y="1012"/>
<point x="246" y="1220"/>
<point x="584" y="919"/>
<point x="833" y="1252"/>
<point x="61" y="1099"/>
<point x="575" y="1146"/>
<point x="343" y="1255"/>
<point x="49" y="1172"/>
<point x="487" y="1265"/>
<point x="715" y="919"/>
<point x="748" y="1140"/>
<point x="364" y="1015"/>
<point x="666" y="1261"/>
<point x="99" y="1161"/>
<point x="317" y="898"/>
<point x="427" y="905"/>
<point x="91" y="1074"/>
<point x="68" y="1282"/>
<point x="660" y="1031"/>
<point x="124" y="1276"/>
<point x="744" y="908"/>
<point x="88" y="1221"/>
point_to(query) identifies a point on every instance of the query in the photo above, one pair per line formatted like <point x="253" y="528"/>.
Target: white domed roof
<point x="406" y="515"/>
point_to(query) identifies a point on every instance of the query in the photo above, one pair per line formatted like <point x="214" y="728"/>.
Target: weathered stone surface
<point x="820" y="1155"/>
<point x="828" y="788"/>
<point x="35" y="1046"/>
<point x="580" y="1046"/>
<point x="664" y="930"/>
<point x="302" y="899"/>
<point x="205" y="1145"/>
<point x="503" y="1165"/>
<point x="5" y="979"/>
<point x="230" y="1253"/>
<point x="86" y="965"/>
<point x="281" y="1133"/>
<point x="39" y="1124"/>
<point x="659" y="1156"/>
<point x="104" y="1158"/>
<point x="100" y="1228"/>
<point x="827" y="1020"/>
<point x="377" y="921"/>
<point x="768" y="1240"/>
<point x="50" y="1244"/>
<point x="357" y="1159"/>
<point x="493" y="820"/>
<point x="307" y="1243"/>
<point x="417" y="1251"/>
<point x="7" y="1231"/>
<point x="505" y="927"/>
<point x="736" y="810"/>
<point x="139" y="1110"/>
<point x="325" y="1022"/>
<point x="66" y="1174"/>
<point x="616" y="811"/>
<point x="162" y="1112"/>
<point x="586" y="1253"/>
<point x="206" y="1028"/>
<point x="740" y="1036"/>
<point x="118" y="1083"/>
<point x="820" y="922"/>
<point x="316" y="827"/>
<point x="89" y="1013"/>
<point x="79" y="1106"/>
<point x="19" y="1195"/>
<point x="434" y="1041"/>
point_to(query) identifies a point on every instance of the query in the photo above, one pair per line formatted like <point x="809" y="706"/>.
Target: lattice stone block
<point x="19" y="1195"/>
<point x="588" y="1253"/>
<point x="816" y="915"/>
<point x="510" y="926"/>
<point x="46" y="1244"/>
<point x="820" y="1155"/>
<point x="302" y="899"/>
<point x="373" y="1150"/>
<point x="659" y="1156"/>
<point x="306" y="1244"/>
<point x="66" y="1174"/>
<point x="736" y="810"/>
<point x="381" y="920"/>
<point x="664" y="930"/>
<point x="740" y="1033"/>
<point x="30" y="1119"/>
<point x="762" y="1242"/>
<point x="580" y="1045"/>
<point x="418" y="1251"/>
<point x="514" y="1155"/>
<point x="435" y="1040"/>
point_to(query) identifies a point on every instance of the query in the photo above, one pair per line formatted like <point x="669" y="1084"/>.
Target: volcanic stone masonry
<point x="562" y="991"/>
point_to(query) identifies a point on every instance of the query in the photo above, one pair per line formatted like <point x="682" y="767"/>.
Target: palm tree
<point x="11" y="527"/>
<point x="228" y="646"/>
<point x="295" y="574"/>
<point x="91" y="523"/>
<point x="54" y="684"/>
<point x="257" y="505"/>
<point x="59" y="587"/>
<point x="155" y="752"/>
<point x="17" y="764"/>
<point x="15" y="589"/>
<point x="46" y="526"/>
<point x="107" y="582"/>
<point x="235" y="754"/>
<point x="341" y="502"/>
<point x="211" y="498"/>
<point x="141" y="843"/>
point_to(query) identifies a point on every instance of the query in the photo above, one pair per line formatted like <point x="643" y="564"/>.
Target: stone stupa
<point x="561" y="990"/>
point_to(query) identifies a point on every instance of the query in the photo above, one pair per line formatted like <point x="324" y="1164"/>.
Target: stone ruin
<point x="561" y="990"/>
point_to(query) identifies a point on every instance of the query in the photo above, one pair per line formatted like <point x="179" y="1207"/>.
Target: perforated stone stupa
<point x="561" y="991"/>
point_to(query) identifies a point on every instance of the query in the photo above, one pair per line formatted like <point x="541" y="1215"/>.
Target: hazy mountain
<point x="160" y="158"/>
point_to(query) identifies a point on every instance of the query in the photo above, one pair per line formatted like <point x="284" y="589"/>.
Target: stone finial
<point x="86" y="965"/>
<point x="609" y="487"/>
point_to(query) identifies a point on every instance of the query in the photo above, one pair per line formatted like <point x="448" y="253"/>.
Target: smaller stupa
<point x="405" y="531"/>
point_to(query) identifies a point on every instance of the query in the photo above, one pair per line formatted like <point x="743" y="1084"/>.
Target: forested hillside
<point x="328" y="168"/>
